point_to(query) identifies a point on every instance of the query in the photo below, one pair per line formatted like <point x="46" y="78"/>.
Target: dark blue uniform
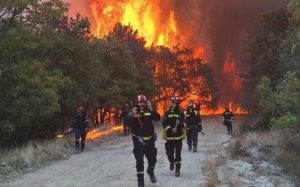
<point x="81" y="125"/>
<point x="173" y="118"/>
<point x="143" y="137"/>
<point x="192" y="120"/>
<point x="227" y="117"/>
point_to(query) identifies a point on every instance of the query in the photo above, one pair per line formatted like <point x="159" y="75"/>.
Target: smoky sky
<point x="221" y="26"/>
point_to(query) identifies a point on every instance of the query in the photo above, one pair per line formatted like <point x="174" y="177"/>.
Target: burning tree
<point x="177" y="73"/>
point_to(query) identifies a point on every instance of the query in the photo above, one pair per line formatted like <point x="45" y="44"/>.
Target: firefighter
<point x="143" y="136"/>
<point x="81" y="127"/>
<point x="193" y="126"/>
<point x="174" y="133"/>
<point x="227" y="118"/>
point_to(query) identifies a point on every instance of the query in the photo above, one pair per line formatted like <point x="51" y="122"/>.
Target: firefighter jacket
<point x="173" y="118"/>
<point x="192" y="119"/>
<point x="227" y="116"/>
<point x="81" y="122"/>
<point x="142" y="124"/>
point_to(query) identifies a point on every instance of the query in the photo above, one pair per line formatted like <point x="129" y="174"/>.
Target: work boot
<point x="82" y="146"/>
<point x="177" y="170"/>
<point x="150" y="172"/>
<point x="171" y="166"/>
<point x="77" y="146"/>
<point x="140" y="180"/>
<point x="190" y="148"/>
<point x="195" y="149"/>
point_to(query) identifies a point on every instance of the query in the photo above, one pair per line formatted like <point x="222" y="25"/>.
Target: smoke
<point x="221" y="26"/>
<point x="80" y="6"/>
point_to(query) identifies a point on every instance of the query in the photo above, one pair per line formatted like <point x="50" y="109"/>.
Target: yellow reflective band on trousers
<point x="144" y="137"/>
<point x="140" y="173"/>
<point x="147" y="114"/>
<point x="173" y="115"/>
<point x="177" y="162"/>
<point x="176" y="138"/>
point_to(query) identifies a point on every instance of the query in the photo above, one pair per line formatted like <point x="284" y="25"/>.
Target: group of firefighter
<point x="176" y="124"/>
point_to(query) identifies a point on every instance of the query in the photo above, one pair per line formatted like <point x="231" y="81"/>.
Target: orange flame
<point x="199" y="52"/>
<point x="158" y="27"/>
<point x="97" y="133"/>
<point x="144" y="16"/>
<point x="236" y="109"/>
<point x="229" y="68"/>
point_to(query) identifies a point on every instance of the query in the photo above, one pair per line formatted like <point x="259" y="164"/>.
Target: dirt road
<point x="112" y="164"/>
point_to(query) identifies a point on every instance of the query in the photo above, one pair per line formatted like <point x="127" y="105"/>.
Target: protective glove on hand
<point x="174" y="130"/>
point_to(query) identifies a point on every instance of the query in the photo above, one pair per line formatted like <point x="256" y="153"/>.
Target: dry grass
<point x="34" y="154"/>
<point x="281" y="146"/>
<point x="210" y="168"/>
<point x="241" y="145"/>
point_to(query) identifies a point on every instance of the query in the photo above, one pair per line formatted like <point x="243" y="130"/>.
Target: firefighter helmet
<point x="81" y="110"/>
<point x="190" y="105"/>
<point x="141" y="99"/>
<point x="174" y="100"/>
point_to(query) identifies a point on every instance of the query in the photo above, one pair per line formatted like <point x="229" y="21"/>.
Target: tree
<point x="178" y="73"/>
<point x="136" y="44"/>
<point x="283" y="103"/>
<point x="126" y="34"/>
<point x="279" y="97"/>
<point x="121" y="84"/>
<point x="263" y="48"/>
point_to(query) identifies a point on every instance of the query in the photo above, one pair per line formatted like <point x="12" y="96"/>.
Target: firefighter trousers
<point x="192" y="137"/>
<point x="150" y="152"/>
<point x="80" y="135"/>
<point x="173" y="150"/>
<point x="228" y="124"/>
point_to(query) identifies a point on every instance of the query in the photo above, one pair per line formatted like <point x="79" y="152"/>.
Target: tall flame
<point x="158" y="27"/>
<point x="144" y="16"/>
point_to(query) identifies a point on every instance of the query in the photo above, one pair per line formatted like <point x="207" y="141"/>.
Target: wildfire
<point x="144" y="16"/>
<point x="229" y="68"/>
<point x="199" y="52"/>
<point x="97" y="133"/>
<point x="159" y="27"/>
<point x="237" y="110"/>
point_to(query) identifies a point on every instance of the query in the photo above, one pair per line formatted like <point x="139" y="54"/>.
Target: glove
<point x="155" y="137"/>
<point x="174" y="130"/>
<point x="199" y="128"/>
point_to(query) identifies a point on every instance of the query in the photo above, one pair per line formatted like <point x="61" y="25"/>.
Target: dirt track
<point x="112" y="164"/>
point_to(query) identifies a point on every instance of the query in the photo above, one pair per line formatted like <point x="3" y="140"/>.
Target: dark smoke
<point x="221" y="26"/>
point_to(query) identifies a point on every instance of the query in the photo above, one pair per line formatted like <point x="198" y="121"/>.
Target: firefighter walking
<point x="81" y="127"/>
<point x="192" y="120"/>
<point x="143" y="136"/>
<point x="227" y="118"/>
<point x="174" y="133"/>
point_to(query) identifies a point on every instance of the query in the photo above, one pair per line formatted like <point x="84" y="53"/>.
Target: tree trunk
<point x="92" y="117"/>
